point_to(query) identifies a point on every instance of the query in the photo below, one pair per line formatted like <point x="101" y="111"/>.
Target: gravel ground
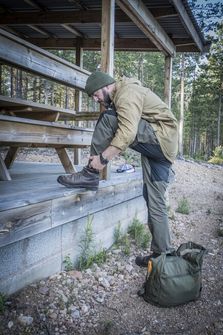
<point x="103" y="300"/>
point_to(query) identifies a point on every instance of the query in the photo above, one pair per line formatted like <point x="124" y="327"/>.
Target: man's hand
<point x="95" y="163"/>
<point x="109" y="153"/>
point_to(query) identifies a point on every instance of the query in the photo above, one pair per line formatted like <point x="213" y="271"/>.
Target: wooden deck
<point x="41" y="221"/>
<point x="37" y="182"/>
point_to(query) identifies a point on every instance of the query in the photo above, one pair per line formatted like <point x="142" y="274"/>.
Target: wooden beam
<point x="40" y="30"/>
<point x="65" y="160"/>
<point x="168" y="80"/>
<point x="188" y="23"/>
<point x="71" y="16"/>
<point x="122" y="44"/>
<point x="15" y="131"/>
<point x="11" y="156"/>
<point x="107" y="36"/>
<point x="107" y="51"/>
<point x="78" y="96"/>
<point x="135" y="44"/>
<point x="4" y="174"/>
<point x="20" y="105"/>
<point x="33" y="59"/>
<point x="58" y="17"/>
<point x="34" y="4"/>
<point x="72" y="30"/>
<point x="14" y="31"/>
<point x="145" y="21"/>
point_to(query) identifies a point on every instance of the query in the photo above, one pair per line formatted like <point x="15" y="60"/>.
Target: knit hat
<point x="96" y="81"/>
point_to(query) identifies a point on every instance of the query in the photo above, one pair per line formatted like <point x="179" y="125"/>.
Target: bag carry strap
<point x="192" y="252"/>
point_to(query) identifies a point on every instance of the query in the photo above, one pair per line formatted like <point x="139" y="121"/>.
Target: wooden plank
<point x="56" y="17"/>
<point x="145" y="21"/>
<point x="71" y="17"/>
<point x="178" y="4"/>
<point x="20" y="105"/>
<point x="32" y="188"/>
<point x="4" y="174"/>
<point x="65" y="160"/>
<point x="40" y="111"/>
<point x="18" y="224"/>
<point x="46" y="116"/>
<point x="134" y="44"/>
<point x="34" y="59"/>
<point x="11" y="156"/>
<point x="108" y="195"/>
<point x="121" y="44"/>
<point x="24" y="132"/>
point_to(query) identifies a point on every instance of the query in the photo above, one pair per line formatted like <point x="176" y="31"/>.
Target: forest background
<point x="197" y="84"/>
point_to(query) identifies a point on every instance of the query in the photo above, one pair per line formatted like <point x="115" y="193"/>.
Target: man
<point x="135" y="117"/>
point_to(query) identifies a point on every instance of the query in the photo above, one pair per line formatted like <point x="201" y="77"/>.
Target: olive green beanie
<point x="96" y="81"/>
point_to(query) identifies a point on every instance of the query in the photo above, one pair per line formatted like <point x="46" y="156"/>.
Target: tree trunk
<point x="181" y="120"/>
<point x="219" y="120"/>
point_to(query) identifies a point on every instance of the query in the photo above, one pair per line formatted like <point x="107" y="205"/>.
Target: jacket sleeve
<point x="129" y="106"/>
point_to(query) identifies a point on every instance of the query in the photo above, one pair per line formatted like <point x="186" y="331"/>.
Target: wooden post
<point x="107" y="49"/>
<point x="4" y="174"/>
<point x="168" y="80"/>
<point x="181" y="120"/>
<point x="78" y="97"/>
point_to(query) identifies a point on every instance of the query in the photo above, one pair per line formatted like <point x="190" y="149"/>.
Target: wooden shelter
<point x="36" y="212"/>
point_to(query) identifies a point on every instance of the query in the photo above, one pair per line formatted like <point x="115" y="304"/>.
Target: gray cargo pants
<point x="155" y="167"/>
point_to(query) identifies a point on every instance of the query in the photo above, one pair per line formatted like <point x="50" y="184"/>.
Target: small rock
<point x="64" y="298"/>
<point x="25" y="320"/>
<point x="10" y="324"/>
<point x="129" y="268"/>
<point x="43" y="290"/>
<point x="116" y="251"/>
<point x="75" y="314"/>
<point x="53" y="316"/>
<point x="84" y="309"/>
<point x="104" y="282"/>
<point x="76" y="274"/>
<point x="100" y="298"/>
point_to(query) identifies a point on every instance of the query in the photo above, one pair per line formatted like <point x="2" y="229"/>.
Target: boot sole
<point x="79" y="186"/>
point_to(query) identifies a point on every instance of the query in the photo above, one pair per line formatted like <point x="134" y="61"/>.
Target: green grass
<point x="122" y="240"/>
<point x="138" y="232"/>
<point x="183" y="206"/>
<point x="68" y="265"/>
<point x="88" y="254"/>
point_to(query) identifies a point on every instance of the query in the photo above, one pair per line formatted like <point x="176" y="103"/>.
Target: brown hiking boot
<point x="143" y="260"/>
<point x="87" y="178"/>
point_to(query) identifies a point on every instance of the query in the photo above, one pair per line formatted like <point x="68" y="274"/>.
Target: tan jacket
<point x="133" y="102"/>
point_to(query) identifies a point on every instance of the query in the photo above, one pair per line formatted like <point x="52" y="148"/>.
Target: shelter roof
<point x="65" y="23"/>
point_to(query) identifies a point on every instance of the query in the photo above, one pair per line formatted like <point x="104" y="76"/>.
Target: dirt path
<point x="103" y="300"/>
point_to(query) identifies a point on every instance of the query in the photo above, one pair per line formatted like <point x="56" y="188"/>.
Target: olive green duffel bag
<point x="175" y="278"/>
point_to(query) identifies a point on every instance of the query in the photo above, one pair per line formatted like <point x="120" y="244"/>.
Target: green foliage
<point x="121" y="240"/>
<point x="137" y="231"/>
<point x="68" y="265"/>
<point x="183" y="206"/>
<point x="131" y="157"/>
<point x="88" y="254"/>
<point x="217" y="157"/>
<point x="2" y="302"/>
<point x="118" y="235"/>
